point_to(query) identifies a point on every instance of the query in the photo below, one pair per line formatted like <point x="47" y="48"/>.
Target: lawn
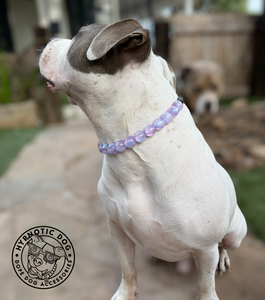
<point x="11" y="141"/>
<point x="250" y="189"/>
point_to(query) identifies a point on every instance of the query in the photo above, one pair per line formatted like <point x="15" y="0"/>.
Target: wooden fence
<point x="224" y="38"/>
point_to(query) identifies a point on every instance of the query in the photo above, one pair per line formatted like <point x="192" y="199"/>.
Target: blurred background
<point x="50" y="165"/>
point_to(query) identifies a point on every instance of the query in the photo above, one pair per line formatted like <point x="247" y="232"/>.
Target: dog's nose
<point x="208" y="106"/>
<point x="37" y="262"/>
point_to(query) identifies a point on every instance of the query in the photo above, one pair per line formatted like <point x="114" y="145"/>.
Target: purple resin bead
<point x="166" y="117"/>
<point x="129" y="141"/>
<point x="140" y="136"/>
<point x="159" y="124"/>
<point x="105" y="149"/>
<point x="178" y="105"/>
<point x="112" y="149"/>
<point x="100" y="147"/>
<point x="120" y="146"/>
<point x="149" y="130"/>
<point x="173" y="111"/>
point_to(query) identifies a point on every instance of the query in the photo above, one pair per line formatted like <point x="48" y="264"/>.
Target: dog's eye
<point x="197" y="89"/>
<point x="50" y="257"/>
<point x="213" y="87"/>
<point x="35" y="250"/>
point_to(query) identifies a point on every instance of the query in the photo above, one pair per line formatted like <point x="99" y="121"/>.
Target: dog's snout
<point x="37" y="262"/>
<point x="208" y="106"/>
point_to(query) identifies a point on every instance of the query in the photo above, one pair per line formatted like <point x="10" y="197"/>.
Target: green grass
<point x="225" y="102"/>
<point x="11" y="142"/>
<point x="250" y="188"/>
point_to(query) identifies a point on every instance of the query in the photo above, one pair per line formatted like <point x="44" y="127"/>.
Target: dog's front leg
<point x="126" y="252"/>
<point x="206" y="261"/>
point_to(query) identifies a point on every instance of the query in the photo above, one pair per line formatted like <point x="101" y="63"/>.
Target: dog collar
<point x="149" y="131"/>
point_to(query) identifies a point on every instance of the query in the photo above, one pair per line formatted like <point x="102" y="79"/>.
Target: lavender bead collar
<point x="148" y="131"/>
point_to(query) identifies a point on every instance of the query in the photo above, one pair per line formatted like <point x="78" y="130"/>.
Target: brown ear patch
<point x="116" y="33"/>
<point x="125" y="44"/>
<point x="185" y="72"/>
<point x="77" y="51"/>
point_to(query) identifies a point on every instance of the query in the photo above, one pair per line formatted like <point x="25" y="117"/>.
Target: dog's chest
<point x="145" y="219"/>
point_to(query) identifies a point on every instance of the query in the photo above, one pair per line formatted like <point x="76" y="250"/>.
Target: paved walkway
<point x="53" y="182"/>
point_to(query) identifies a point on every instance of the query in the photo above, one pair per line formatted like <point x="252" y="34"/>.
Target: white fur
<point x="168" y="194"/>
<point x="207" y="97"/>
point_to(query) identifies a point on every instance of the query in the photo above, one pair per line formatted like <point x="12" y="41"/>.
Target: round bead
<point x="100" y="147"/>
<point x="129" y="141"/>
<point x="105" y="149"/>
<point x="120" y="146"/>
<point x="159" y="124"/>
<point x="173" y="111"/>
<point x="166" y="117"/>
<point x="180" y="99"/>
<point x="178" y="105"/>
<point x="149" y="130"/>
<point x="112" y="149"/>
<point x="140" y="136"/>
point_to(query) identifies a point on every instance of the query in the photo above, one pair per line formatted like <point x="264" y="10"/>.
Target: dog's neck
<point x="126" y="102"/>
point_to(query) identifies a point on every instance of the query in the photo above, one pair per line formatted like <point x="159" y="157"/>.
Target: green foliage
<point x="63" y="99"/>
<point x="26" y="82"/>
<point x="236" y="6"/>
<point x="250" y="188"/>
<point x="11" y="141"/>
<point x="17" y="85"/>
<point x="250" y="99"/>
<point x="5" y="84"/>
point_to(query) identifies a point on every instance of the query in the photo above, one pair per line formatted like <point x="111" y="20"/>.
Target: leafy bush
<point x="5" y="84"/>
<point x="16" y="84"/>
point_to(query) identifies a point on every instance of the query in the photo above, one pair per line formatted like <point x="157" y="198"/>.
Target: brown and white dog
<point x="167" y="194"/>
<point x="202" y="86"/>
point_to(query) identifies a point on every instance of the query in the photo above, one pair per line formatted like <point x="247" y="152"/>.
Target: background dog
<point x="202" y="85"/>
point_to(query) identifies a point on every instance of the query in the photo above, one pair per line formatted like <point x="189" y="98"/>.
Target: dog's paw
<point x="125" y="293"/>
<point x="224" y="262"/>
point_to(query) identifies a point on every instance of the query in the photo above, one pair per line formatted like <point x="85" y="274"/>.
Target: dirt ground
<point x="237" y="134"/>
<point x="53" y="182"/>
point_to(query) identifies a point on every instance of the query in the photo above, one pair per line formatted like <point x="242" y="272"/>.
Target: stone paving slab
<point x="53" y="182"/>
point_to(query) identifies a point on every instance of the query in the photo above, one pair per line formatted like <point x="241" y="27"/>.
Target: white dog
<point x="167" y="194"/>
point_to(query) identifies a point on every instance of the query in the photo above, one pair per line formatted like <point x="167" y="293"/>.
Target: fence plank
<point x="224" y="38"/>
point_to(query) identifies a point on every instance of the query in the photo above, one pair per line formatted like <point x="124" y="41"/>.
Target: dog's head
<point x="203" y="85"/>
<point x="42" y="257"/>
<point x="68" y="65"/>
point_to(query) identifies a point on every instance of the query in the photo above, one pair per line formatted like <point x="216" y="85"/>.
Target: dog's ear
<point x="36" y="239"/>
<point x="126" y="33"/>
<point x="185" y="71"/>
<point x="60" y="251"/>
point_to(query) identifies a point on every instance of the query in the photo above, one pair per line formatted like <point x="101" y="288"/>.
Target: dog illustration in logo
<point x="42" y="258"/>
